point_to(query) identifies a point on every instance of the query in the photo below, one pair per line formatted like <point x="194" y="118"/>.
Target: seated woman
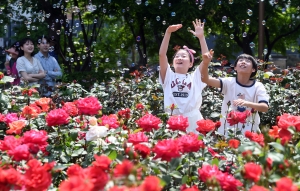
<point x="29" y="68"/>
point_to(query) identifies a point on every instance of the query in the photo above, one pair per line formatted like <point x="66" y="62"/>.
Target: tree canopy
<point x="103" y="34"/>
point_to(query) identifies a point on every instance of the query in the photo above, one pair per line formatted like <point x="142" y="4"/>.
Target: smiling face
<point x="28" y="47"/>
<point x="182" y="62"/>
<point x="245" y="64"/>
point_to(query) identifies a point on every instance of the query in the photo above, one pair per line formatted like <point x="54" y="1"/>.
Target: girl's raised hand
<point x="173" y="28"/>
<point x="199" y="28"/>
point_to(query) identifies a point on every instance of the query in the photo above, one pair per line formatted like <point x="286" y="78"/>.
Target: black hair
<point x="16" y="45"/>
<point x="249" y="57"/>
<point x="40" y="38"/>
<point x="190" y="56"/>
<point x="21" y="43"/>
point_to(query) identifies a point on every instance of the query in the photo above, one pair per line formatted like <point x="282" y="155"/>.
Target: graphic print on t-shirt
<point x="180" y="88"/>
<point x="241" y="108"/>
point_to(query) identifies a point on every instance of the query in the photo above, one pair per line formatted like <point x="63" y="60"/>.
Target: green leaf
<point x="276" y="157"/>
<point x="184" y="179"/>
<point x="112" y="155"/>
<point x="215" y="161"/>
<point x="277" y="146"/>
<point x="215" y="115"/>
<point x="73" y="134"/>
<point x="176" y="174"/>
<point x="174" y="163"/>
<point x="167" y="179"/>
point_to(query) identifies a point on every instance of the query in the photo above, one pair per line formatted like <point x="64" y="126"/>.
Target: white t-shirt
<point x="185" y="91"/>
<point x="24" y="65"/>
<point x="232" y="90"/>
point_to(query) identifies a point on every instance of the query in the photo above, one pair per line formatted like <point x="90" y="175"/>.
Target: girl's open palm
<point x="199" y="28"/>
<point x="173" y="28"/>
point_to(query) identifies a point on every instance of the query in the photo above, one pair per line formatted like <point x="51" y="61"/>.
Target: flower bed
<point x="116" y="137"/>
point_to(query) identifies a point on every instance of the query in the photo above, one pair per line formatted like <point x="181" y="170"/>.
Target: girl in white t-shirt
<point x="29" y="68"/>
<point x="181" y="88"/>
<point x="241" y="93"/>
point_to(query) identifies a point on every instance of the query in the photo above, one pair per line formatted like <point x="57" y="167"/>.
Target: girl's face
<point x="182" y="62"/>
<point x="28" y="47"/>
<point x="245" y="66"/>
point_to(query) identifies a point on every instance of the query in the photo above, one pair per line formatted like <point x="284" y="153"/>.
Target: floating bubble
<point x="162" y="34"/>
<point x="117" y="51"/>
<point x="224" y="19"/>
<point x="77" y="24"/>
<point x="91" y="54"/>
<point x="169" y="4"/>
<point x="146" y="3"/>
<point x="67" y="59"/>
<point x="173" y="14"/>
<point x="127" y="9"/>
<point x="122" y="45"/>
<point x="289" y="2"/>
<point x="252" y="45"/>
<point x="54" y="6"/>
<point x="200" y="7"/>
<point x="243" y="22"/>
<point x="230" y="2"/>
<point x="263" y="22"/>
<point x="68" y="49"/>
<point x="220" y="2"/>
<point x="209" y="30"/>
<point x="56" y="20"/>
<point x="158" y="18"/>
<point x="231" y="36"/>
<point x="78" y="58"/>
<point x="106" y="59"/>
<point x="108" y="1"/>
<point x="95" y="21"/>
<point x="162" y="2"/>
<point x="83" y="57"/>
<point x="265" y="51"/>
<point x="283" y="10"/>
<point x="66" y="1"/>
<point x="28" y="34"/>
<point x="132" y="64"/>
<point x="58" y="32"/>
<point x="33" y="28"/>
<point x="138" y="38"/>
<point x="202" y="2"/>
<point x="138" y="2"/>
<point x="244" y="34"/>
<point x="298" y="8"/>
<point x="158" y="68"/>
<point x="119" y="63"/>
<point x="72" y="59"/>
<point x="227" y="44"/>
<point x="248" y="22"/>
<point x="123" y="10"/>
<point x="1" y="20"/>
<point x="230" y="24"/>
<point x="144" y="55"/>
<point x="51" y="48"/>
<point x="249" y="12"/>
<point x="188" y="29"/>
<point x="164" y="22"/>
<point x="197" y="2"/>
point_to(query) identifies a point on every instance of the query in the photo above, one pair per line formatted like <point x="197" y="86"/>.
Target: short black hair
<point x="22" y="42"/>
<point x="15" y="45"/>
<point x="40" y="38"/>
<point x="254" y="62"/>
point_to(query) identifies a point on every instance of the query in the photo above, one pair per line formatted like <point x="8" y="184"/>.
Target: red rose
<point x="151" y="183"/>
<point x="35" y="137"/>
<point x="166" y="149"/>
<point x="10" y="179"/>
<point x="74" y="170"/>
<point x="189" y="143"/>
<point x="88" y="106"/>
<point x="218" y="124"/>
<point x="37" y="176"/>
<point x="123" y="169"/>
<point x="274" y="132"/>
<point x="57" y="117"/>
<point x="235" y="117"/>
<point x="149" y="122"/>
<point x="44" y="103"/>
<point x="97" y="176"/>
<point x="234" y="143"/>
<point x="136" y="138"/>
<point x="205" y="126"/>
<point x="1" y="75"/>
<point x="178" y="122"/>
<point x="19" y="153"/>
<point x="124" y="113"/>
<point x="29" y="112"/>
<point x="285" y="136"/>
<point x="287" y="120"/>
<point x="258" y="188"/>
<point x="252" y="171"/>
<point x="269" y="163"/>
<point x="102" y="161"/>
<point x="259" y="138"/>
<point x="285" y="184"/>
<point x="111" y="121"/>
<point x="70" y="108"/>
<point x="77" y="183"/>
<point x="142" y="150"/>
<point x="215" y="154"/>
<point x="185" y="188"/>
<point x="139" y="106"/>
<point x="9" y="142"/>
<point x="16" y="127"/>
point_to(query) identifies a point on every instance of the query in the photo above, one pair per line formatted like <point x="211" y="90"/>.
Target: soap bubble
<point x="224" y="19"/>
<point x="209" y="30"/>
<point x="117" y="51"/>
<point x="91" y="54"/>
<point x="265" y="51"/>
<point x="122" y="45"/>
<point x="106" y="59"/>
<point x="138" y="2"/>
<point x="230" y="24"/>
<point x="248" y="22"/>
<point x="230" y="2"/>
<point x="158" y="18"/>
<point x="173" y="14"/>
<point x="227" y="44"/>
<point x="164" y="22"/>
<point x="249" y="12"/>
<point x="146" y="3"/>
<point x="252" y="45"/>
<point x="263" y="22"/>
<point x="200" y="7"/>
<point x="244" y="34"/>
<point x="138" y="38"/>
<point x="231" y="36"/>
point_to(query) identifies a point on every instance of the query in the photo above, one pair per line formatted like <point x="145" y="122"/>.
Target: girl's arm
<point x="206" y="55"/>
<point x="262" y="107"/>
<point x="163" y="60"/>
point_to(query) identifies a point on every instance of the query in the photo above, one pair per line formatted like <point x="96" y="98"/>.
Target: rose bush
<point x="85" y="141"/>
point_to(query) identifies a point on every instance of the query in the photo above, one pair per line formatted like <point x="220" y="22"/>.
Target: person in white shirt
<point x="241" y="93"/>
<point x="183" y="89"/>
